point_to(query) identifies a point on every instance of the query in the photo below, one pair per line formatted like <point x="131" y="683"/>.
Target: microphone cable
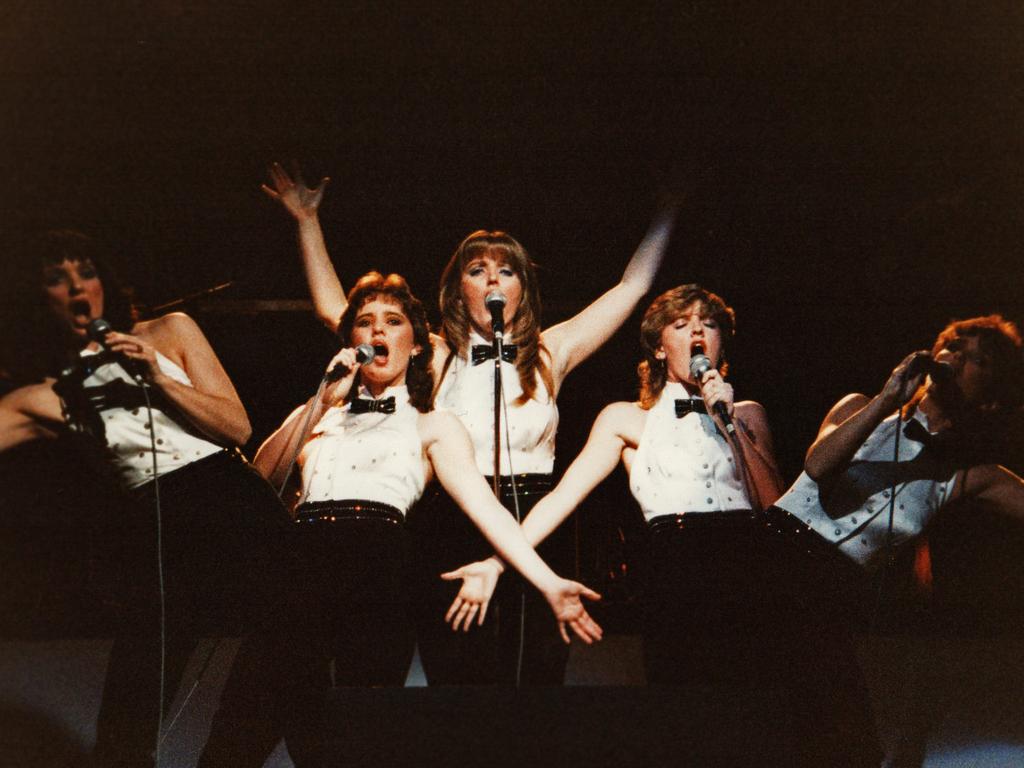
<point x="519" y="521"/>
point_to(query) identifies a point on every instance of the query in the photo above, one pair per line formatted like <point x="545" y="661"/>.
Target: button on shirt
<point x="683" y="464"/>
<point x="468" y="391"/>
<point x="852" y="509"/>
<point x="373" y="456"/>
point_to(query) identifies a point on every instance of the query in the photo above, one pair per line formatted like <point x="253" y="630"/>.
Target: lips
<point x="380" y="352"/>
<point x="80" y="311"/>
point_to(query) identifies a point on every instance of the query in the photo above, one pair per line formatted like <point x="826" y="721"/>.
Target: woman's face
<point x="382" y="322"/>
<point x="680" y="339"/>
<point x="74" y="293"/>
<point x="972" y="373"/>
<point x="484" y="273"/>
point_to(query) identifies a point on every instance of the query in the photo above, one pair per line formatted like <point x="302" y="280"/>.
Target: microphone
<point x="495" y="302"/>
<point x="700" y="364"/>
<point x="97" y="331"/>
<point x="925" y="364"/>
<point x="364" y="354"/>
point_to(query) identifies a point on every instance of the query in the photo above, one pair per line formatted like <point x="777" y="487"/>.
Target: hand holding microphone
<point x="134" y="355"/>
<point x="909" y="375"/>
<point x="704" y="372"/>
<point x="347" y="361"/>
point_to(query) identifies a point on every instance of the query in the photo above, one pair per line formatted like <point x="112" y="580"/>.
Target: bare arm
<point x="275" y="454"/>
<point x="451" y="453"/>
<point x="573" y="341"/>
<point x="753" y="440"/>
<point x="303" y="204"/>
<point x="997" y="486"/>
<point x="28" y="413"/>
<point x="853" y="418"/>
<point x="211" y="404"/>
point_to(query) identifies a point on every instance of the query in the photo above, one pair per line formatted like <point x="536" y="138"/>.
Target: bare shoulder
<point x="751" y="412"/>
<point x="441" y="352"/>
<point x="438" y="424"/>
<point x="846" y="407"/>
<point x="624" y="419"/>
<point x="172" y="327"/>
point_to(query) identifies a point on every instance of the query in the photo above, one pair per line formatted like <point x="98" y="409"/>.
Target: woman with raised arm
<point x="698" y="490"/>
<point x="514" y="646"/>
<point x="156" y="397"/>
<point x="375" y="444"/>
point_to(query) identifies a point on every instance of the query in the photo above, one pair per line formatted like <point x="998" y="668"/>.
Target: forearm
<point x="835" y="447"/>
<point x="270" y="460"/>
<point x="643" y="266"/>
<point x="324" y="286"/>
<point x="510" y="544"/>
<point x="222" y="419"/>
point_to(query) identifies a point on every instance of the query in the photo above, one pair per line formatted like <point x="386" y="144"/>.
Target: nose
<point x="74" y="283"/>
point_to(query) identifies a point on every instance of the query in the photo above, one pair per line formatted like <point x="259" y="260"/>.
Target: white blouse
<point x="853" y="513"/>
<point x="683" y="464"/>
<point x="467" y="390"/>
<point x="128" y="435"/>
<point x="372" y="456"/>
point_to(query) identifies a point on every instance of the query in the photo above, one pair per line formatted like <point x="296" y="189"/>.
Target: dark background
<point x="853" y="174"/>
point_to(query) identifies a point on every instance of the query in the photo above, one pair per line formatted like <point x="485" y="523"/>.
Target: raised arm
<point x="450" y="452"/>
<point x="573" y="341"/>
<point x="853" y="418"/>
<point x="211" y="404"/>
<point x="303" y="204"/>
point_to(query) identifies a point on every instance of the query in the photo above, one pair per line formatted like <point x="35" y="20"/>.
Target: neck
<point x="691" y="387"/>
<point x="377" y="388"/>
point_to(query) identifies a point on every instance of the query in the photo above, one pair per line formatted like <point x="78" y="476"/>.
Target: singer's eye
<point x="475" y="270"/>
<point x="709" y="323"/>
<point x="507" y="272"/>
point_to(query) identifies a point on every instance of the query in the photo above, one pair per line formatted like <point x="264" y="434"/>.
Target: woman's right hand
<point x="297" y="198"/>
<point x="568" y="608"/>
<point x="900" y="387"/>
<point x="340" y="374"/>
<point x="479" y="581"/>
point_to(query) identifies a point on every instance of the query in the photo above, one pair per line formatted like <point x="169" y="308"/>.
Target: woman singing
<point x="698" y="492"/>
<point x="374" y="447"/>
<point x="513" y="645"/>
<point x="199" y="536"/>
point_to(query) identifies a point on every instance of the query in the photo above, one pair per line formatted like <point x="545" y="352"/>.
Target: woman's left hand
<point x="568" y="608"/>
<point x="134" y="348"/>
<point x="714" y="389"/>
<point x="479" y="580"/>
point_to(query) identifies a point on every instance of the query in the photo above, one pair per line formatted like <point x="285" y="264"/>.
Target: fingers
<point x="270" y="193"/>
<point x="483" y="614"/>
<point x="587" y="629"/>
<point x="588" y="593"/>
<point x="452" y="609"/>
<point x="565" y="635"/>
<point x="452" y="575"/>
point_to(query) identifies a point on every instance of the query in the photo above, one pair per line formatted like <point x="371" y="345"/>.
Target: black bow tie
<point x="482" y="352"/>
<point x="915" y="430"/>
<point x="384" y="405"/>
<point x="689" y="405"/>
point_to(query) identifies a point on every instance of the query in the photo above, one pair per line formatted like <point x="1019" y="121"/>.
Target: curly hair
<point x="374" y="285"/>
<point x="1000" y="340"/>
<point x="526" y="321"/>
<point x="662" y="312"/>
<point x="33" y="342"/>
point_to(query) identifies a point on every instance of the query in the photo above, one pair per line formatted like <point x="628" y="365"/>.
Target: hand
<point x="900" y="388"/>
<point x="568" y="609"/>
<point x="298" y="199"/>
<point x="343" y="363"/>
<point x="715" y="389"/>
<point x="134" y="348"/>
<point x="478" y="582"/>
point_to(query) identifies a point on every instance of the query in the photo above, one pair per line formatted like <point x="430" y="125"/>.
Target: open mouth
<point x="697" y="348"/>
<point x="80" y="311"/>
<point x="380" y="353"/>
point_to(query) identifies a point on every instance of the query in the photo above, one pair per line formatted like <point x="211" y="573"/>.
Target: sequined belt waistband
<point x="741" y="518"/>
<point x="348" y="509"/>
<point x="526" y="483"/>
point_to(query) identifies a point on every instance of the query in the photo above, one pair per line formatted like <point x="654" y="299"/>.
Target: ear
<point x="659" y="353"/>
<point x="416" y="350"/>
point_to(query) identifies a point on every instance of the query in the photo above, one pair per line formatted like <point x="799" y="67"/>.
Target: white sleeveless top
<point x="127" y="430"/>
<point x="683" y="464"/>
<point x="468" y="391"/>
<point x="371" y="456"/>
<point x="854" y="513"/>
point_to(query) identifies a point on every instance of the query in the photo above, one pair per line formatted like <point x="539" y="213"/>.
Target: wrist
<point x="308" y="221"/>
<point x="497" y="562"/>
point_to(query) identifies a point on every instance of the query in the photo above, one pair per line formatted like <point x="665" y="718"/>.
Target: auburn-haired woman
<point x="375" y="444"/>
<point x="513" y="645"/>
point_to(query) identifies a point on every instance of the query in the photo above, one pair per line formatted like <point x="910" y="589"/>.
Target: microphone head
<point x="495" y="300"/>
<point x="940" y="372"/>
<point x="98" y="329"/>
<point x="699" y="365"/>
<point x="365" y="353"/>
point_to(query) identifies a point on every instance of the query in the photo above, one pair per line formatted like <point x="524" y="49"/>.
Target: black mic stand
<point x="499" y="343"/>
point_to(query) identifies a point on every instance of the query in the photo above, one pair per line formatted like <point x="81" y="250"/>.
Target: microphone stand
<point x="499" y="341"/>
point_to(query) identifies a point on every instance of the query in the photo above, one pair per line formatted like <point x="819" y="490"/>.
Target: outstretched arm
<point x="853" y="418"/>
<point x="303" y="203"/>
<point x="451" y="454"/>
<point x="573" y="341"/>
<point x="595" y="462"/>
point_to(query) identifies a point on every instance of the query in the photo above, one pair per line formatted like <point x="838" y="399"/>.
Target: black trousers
<point x="220" y="525"/>
<point x="445" y="539"/>
<point x="344" y="622"/>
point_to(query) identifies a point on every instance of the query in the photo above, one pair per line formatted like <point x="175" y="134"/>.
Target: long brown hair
<point x="664" y="311"/>
<point x="526" y="321"/>
<point x="373" y="285"/>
